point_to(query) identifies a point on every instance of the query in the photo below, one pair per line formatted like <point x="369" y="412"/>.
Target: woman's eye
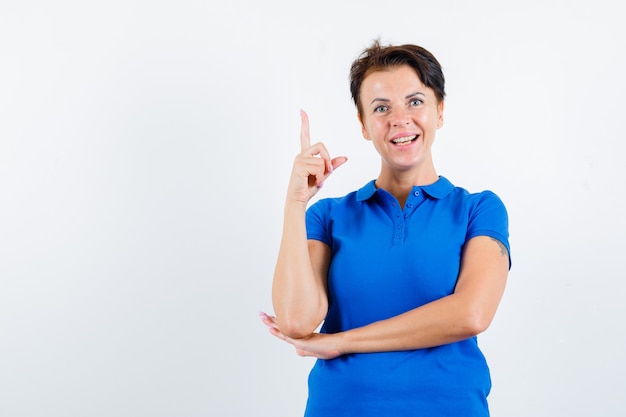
<point x="380" y="109"/>
<point x="416" y="102"/>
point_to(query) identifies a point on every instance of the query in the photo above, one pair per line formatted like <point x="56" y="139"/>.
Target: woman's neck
<point x="400" y="184"/>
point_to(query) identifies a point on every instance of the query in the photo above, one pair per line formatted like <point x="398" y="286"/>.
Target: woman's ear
<point x="363" y="129"/>
<point x="440" y="114"/>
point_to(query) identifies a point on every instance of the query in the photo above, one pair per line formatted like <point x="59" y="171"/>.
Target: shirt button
<point x="416" y="193"/>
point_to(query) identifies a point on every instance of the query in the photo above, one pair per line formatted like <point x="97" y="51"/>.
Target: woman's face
<point x="400" y="116"/>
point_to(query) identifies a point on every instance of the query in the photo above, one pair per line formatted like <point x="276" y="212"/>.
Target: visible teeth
<point x="404" y="139"/>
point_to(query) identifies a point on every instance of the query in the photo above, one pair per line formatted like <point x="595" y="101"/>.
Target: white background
<point x="145" y="148"/>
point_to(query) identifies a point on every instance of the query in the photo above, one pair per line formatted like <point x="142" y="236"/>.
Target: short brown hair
<point x="378" y="58"/>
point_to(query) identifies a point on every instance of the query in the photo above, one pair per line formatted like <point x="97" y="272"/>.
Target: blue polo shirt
<point x="386" y="260"/>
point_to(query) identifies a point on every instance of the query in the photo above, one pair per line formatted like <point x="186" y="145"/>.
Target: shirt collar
<point x="439" y="189"/>
<point x="367" y="191"/>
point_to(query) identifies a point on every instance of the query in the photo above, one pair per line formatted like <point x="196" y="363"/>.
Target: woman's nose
<point x="401" y="118"/>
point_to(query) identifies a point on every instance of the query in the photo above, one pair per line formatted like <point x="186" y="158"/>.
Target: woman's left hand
<point x="317" y="345"/>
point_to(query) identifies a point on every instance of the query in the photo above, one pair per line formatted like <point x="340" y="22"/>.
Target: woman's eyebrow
<point x="386" y="100"/>
<point x="417" y="93"/>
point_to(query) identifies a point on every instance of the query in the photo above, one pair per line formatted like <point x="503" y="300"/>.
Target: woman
<point x="404" y="273"/>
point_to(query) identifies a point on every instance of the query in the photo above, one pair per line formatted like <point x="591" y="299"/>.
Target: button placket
<point x="415" y="198"/>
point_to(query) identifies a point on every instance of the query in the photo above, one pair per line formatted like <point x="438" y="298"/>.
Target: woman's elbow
<point x="296" y="322"/>
<point x="476" y="321"/>
<point x="297" y="328"/>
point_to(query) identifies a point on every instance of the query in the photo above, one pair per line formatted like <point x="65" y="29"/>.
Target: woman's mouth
<point x="405" y="140"/>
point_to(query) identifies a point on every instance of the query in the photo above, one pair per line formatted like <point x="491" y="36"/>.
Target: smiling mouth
<point x="404" y="140"/>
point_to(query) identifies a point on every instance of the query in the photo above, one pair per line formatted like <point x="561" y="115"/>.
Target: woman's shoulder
<point x="484" y="196"/>
<point x="346" y="200"/>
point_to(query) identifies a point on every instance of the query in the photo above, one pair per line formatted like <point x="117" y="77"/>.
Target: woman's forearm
<point x="444" y="321"/>
<point x="298" y="291"/>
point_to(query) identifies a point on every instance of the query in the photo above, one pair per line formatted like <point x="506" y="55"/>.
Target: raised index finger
<point x="305" y="138"/>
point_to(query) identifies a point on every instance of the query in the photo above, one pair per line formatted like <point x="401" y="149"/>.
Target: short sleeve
<point x="317" y="222"/>
<point x="489" y="217"/>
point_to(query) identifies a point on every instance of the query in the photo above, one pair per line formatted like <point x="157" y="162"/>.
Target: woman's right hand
<point x="299" y="287"/>
<point x="311" y="167"/>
